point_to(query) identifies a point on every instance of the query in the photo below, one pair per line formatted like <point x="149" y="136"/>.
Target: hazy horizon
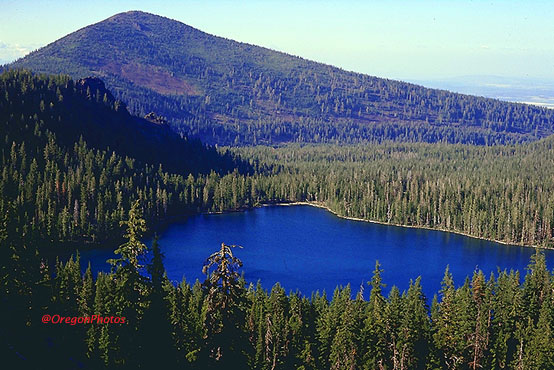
<point x="427" y="42"/>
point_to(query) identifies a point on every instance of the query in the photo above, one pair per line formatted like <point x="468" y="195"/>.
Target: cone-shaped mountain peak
<point x="229" y="92"/>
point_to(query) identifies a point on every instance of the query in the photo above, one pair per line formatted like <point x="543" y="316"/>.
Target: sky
<point x="399" y="39"/>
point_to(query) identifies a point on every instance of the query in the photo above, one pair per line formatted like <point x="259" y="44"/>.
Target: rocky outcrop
<point x="95" y="89"/>
<point x="158" y="120"/>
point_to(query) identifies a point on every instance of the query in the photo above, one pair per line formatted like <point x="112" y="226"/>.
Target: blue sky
<point x="408" y="39"/>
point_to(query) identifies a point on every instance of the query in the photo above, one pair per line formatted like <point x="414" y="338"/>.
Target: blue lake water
<point x="309" y="249"/>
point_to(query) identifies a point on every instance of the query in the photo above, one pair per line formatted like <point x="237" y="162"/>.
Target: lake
<point x="309" y="249"/>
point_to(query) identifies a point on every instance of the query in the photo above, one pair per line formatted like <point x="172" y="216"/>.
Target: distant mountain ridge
<point x="231" y="93"/>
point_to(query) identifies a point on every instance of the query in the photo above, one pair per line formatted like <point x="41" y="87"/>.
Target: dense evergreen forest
<point x="496" y="322"/>
<point x="232" y="93"/>
<point x="72" y="175"/>
<point x="74" y="160"/>
<point x="68" y="189"/>
<point x="504" y="193"/>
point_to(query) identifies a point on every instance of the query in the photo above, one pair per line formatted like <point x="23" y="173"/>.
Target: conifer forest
<point x="92" y="156"/>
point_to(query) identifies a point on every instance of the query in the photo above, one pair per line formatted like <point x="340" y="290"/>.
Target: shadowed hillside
<point x="85" y="109"/>
<point x="73" y="160"/>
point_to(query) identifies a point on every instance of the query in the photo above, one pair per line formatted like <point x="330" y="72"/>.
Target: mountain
<point x="232" y="93"/>
<point x="74" y="161"/>
<point x="35" y="107"/>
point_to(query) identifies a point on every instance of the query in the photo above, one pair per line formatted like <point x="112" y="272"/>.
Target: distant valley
<point x="522" y="90"/>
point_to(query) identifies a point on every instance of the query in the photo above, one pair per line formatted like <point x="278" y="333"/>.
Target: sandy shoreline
<point x="320" y="205"/>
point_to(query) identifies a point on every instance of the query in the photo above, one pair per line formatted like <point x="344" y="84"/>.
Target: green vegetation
<point x="72" y="164"/>
<point x="493" y="323"/>
<point x="76" y="167"/>
<point x="503" y="193"/>
<point x="232" y="93"/>
<point x="65" y="189"/>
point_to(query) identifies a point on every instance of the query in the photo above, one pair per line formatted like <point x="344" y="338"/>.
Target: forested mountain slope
<point x="86" y="109"/>
<point x="73" y="160"/>
<point x="233" y="93"/>
<point x="55" y="187"/>
<point x="72" y="165"/>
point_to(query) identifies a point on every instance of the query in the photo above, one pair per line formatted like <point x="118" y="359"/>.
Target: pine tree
<point x="130" y="286"/>
<point x="445" y="336"/>
<point x="539" y="351"/>
<point x="482" y="303"/>
<point x="537" y="285"/>
<point x="392" y="321"/>
<point x="327" y="324"/>
<point x="224" y="309"/>
<point x="133" y="249"/>
<point x="344" y="348"/>
<point x="154" y="333"/>
<point x="415" y="329"/>
<point x="276" y="336"/>
<point x="86" y="295"/>
<point x="508" y="314"/>
<point x="374" y="339"/>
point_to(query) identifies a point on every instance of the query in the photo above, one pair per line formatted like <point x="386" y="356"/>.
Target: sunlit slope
<point x="228" y="92"/>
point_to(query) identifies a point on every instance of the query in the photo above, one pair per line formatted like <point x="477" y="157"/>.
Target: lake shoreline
<point x="323" y="206"/>
<point x="308" y="249"/>
<point x="161" y="225"/>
